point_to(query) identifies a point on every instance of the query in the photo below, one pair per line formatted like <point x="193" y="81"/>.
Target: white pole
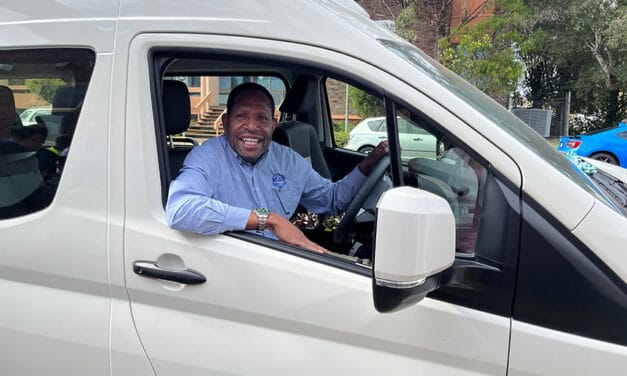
<point x="346" y="111"/>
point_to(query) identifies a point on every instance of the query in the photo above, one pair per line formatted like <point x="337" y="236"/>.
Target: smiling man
<point x="244" y="181"/>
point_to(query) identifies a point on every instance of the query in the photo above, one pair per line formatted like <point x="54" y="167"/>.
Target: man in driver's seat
<point x="244" y="181"/>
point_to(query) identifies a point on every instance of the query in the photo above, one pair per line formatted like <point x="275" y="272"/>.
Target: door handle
<point x="417" y="139"/>
<point x="153" y="270"/>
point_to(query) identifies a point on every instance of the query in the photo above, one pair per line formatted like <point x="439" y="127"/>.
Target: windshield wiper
<point x="614" y="187"/>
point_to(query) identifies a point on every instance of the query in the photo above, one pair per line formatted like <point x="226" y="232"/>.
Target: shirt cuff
<point x="356" y="176"/>
<point x="235" y="218"/>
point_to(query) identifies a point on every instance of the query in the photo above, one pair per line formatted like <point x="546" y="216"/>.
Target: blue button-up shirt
<point x="216" y="189"/>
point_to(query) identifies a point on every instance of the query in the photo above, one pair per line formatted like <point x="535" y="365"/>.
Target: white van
<point x="497" y="256"/>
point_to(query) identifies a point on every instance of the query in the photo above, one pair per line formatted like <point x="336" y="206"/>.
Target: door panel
<point x="263" y="311"/>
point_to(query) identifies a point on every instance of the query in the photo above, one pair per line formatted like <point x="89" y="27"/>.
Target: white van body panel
<point x="55" y="293"/>
<point x="607" y="240"/>
<point x="534" y="352"/>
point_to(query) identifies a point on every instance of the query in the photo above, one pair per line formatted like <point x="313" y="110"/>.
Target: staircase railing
<point x="203" y="107"/>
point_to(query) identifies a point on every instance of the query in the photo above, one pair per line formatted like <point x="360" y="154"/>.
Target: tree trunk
<point x="613" y="115"/>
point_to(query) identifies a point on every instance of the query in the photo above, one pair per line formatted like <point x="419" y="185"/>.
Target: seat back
<point x="8" y="114"/>
<point x="66" y="105"/>
<point x="298" y="135"/>
<point x="176" y="112"/>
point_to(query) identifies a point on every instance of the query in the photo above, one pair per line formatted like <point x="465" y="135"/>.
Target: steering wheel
<point x="349" y="216"/>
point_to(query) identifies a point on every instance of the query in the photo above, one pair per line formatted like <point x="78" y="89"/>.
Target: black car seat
<point x="8" y="114"/>
<point x="66" y="106"/>
<point x="301" y="136"/>
<point x="176" y="112"/>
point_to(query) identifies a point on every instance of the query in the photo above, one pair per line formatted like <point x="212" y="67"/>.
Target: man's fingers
<point x="316" y="248"/>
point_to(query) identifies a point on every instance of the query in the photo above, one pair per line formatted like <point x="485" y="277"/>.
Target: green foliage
<point x="341" y="137"/>
<point x="580" y="46"/>
<point x="486" y="52"/>
<point x="406" y="23"/>
<point x="44" y="87"/>
<point x="365" y="104"/>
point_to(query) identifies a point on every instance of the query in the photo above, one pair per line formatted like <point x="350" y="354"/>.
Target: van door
<point x="267" y="308"/>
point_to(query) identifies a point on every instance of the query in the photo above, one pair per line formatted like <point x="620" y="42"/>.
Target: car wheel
<point x="365" y="149"/>
<point x="605" y="157"/>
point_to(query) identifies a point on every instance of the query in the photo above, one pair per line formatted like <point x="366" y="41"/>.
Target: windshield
<point x="492" y="110"/>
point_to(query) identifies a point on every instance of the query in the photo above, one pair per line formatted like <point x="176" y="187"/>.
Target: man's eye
<point x="240" y="116"/>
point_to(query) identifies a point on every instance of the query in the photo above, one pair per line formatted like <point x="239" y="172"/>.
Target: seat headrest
<point x="66" y="97"/>
<point x="176" y="107"/>
<point x="301" y="97"/>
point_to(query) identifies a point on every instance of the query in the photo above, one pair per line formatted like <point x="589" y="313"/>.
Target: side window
<point x="358" y="117"/>
<point x="484" y="209"/>
<point x="450" y="173"/>
<point x="41" y="94"/>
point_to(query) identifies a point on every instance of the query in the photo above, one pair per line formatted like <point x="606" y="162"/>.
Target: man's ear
<point x="224" y="119"/>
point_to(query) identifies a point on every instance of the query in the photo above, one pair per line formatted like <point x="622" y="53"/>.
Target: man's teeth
<point x="250" y="141"/>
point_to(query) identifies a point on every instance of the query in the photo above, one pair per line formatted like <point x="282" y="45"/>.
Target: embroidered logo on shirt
<point x="278" y="181"/>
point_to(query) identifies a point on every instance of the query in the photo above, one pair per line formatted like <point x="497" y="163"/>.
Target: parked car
<point x="500" y="259"/>
<point x="607" y="145"/>
<point x="29" y="116"/>
<point x="414" y="140"/>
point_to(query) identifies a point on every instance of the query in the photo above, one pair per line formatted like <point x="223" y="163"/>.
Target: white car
<point x="497" y="257"/>
<point x="414" y="140"/>
<point x="29" y="116"/>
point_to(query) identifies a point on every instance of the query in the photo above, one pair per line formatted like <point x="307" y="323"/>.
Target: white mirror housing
<point x="415" y="237"/>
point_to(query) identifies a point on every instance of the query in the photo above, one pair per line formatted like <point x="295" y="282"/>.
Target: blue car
<point x="607" y="145"/>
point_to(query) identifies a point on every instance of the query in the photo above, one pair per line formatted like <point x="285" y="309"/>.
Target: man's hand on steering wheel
<point x="373" y="157"/>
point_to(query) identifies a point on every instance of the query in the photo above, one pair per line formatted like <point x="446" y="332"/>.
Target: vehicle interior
<point x="309" y="124"/>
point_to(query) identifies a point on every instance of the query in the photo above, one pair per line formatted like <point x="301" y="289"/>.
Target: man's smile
<point x="250" y="141"/>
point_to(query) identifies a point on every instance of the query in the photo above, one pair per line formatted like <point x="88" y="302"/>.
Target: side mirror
<point x="414" y="243"/>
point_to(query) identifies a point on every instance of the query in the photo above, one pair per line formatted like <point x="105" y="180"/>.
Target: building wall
<point x="462" y="9"/>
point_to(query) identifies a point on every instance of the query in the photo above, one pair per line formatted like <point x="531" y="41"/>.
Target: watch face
<point x="262" y="211"/>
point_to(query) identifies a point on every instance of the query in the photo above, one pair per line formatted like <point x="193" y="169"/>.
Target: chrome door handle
<point x="153" y="270"/>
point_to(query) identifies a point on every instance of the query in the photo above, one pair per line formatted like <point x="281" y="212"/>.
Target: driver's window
<point x="445" y="169"/>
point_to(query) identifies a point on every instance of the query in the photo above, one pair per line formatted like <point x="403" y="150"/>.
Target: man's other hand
<point x="289" y="233"/>
<point x="373" y="157"/>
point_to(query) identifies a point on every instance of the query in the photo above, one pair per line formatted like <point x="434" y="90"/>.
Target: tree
<point x="44" y="87"/>
<point x="581" y="46"/>
<point x="406" y="22"/>
<point x="365" y="104"/>
<point x="485" y="54"/>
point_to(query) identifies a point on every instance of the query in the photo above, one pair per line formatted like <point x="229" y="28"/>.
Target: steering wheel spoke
<point x="376" y="175"/>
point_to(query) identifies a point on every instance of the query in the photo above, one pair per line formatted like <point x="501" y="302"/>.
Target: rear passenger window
<point x="41" y="94"/>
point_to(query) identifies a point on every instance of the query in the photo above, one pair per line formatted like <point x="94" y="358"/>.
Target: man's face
<point x="249" y="125"/>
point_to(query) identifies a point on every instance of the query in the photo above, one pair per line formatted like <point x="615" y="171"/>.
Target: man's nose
<point x="251" y="124"/>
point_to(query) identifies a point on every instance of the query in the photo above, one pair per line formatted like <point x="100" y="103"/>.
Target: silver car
<point x="415" y="141"/>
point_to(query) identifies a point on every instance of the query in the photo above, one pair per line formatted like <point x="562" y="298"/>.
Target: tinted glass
<point x="41" y="94"/>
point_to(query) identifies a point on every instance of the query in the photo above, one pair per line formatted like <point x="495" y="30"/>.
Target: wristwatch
<point x="262" y="215"/>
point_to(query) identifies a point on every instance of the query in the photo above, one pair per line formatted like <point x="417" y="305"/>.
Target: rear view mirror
<point x="414" y="242"/>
